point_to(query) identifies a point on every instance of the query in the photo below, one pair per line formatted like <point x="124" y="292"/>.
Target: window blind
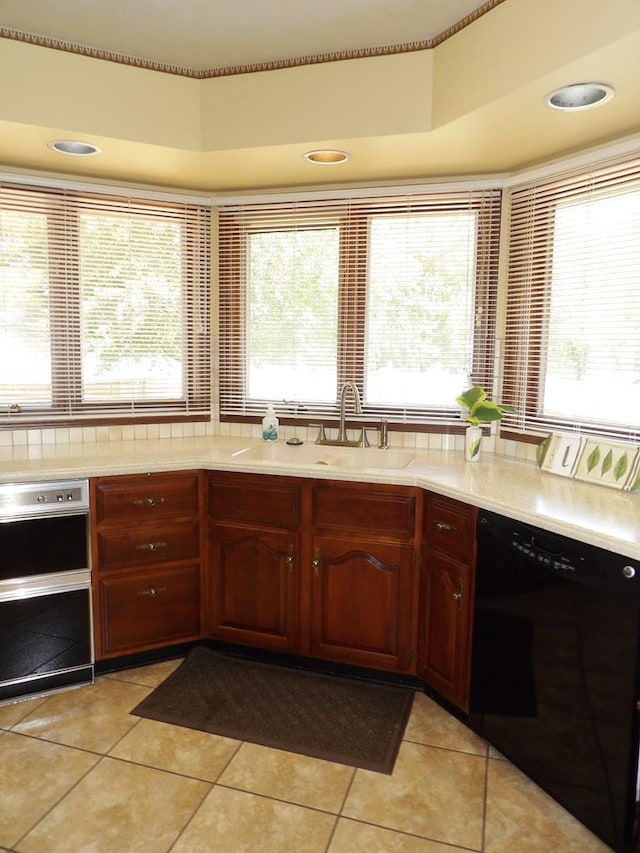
<point x="397" y="293"/>
<point x="572" y="342"/>
<point x="104" y="306"/>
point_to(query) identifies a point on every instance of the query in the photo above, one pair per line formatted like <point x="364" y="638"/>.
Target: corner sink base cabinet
<point x="327" y="569"/>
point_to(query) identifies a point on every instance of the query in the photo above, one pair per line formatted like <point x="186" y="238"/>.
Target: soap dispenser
<point x="270" y="425"/>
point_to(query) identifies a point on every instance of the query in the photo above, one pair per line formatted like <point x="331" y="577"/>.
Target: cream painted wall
<point x="373" y="96"/>
<point x="484" y="62"/>
<point x="51" y="88"/>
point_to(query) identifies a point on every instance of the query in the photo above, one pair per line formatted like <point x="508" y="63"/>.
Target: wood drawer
<point x="366" y="508"/>
<point x="255" y="499"/>
<point x="145" y="544"/>
<point x="147" y="496"/>
<point x="150" y="608"/>
<point x="450" y="527"/>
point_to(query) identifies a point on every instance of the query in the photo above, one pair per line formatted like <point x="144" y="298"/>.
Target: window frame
<point x="529" y="277"/>
<point x="63" y="209"/>
<point x="352" y="217"/>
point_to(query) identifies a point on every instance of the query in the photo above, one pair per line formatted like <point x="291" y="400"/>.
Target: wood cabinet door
<point x="445" y="628"/>
<point x="361" y="611"/>
<point x="253" y="586"/>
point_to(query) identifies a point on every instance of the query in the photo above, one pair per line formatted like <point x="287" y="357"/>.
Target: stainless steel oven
<point x="46" y="634"/>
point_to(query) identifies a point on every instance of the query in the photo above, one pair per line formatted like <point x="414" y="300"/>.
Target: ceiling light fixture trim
<point x="73" y="147"/>
<point x="579" y="96"/>
<point x="327" y="157"/>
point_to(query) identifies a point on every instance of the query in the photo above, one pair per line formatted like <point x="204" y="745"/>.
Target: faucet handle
<point x="363" y="441"/>
<point x="322" y="436"/>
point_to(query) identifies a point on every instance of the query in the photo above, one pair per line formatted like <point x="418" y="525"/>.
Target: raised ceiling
<point x="214" y="36"/>
<point x="219" y="96"/>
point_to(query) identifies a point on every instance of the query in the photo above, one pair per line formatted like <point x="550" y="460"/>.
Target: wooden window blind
<point x="572" y="341"/>
<point x="395" y="292"/>
<point x="104" y="307"/>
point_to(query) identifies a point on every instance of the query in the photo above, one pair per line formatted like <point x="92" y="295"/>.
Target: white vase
<point x="472" y="443"/>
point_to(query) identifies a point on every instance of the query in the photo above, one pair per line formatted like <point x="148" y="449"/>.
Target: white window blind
<point x="397" y="293"/>
<point x="572" y="344"/>
<point x="104" y="307"/>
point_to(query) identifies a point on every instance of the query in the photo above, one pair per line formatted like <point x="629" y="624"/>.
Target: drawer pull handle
<point x="153" y="591"/>
<point x="149" y="501"/>
<point x="446" y="527"/>
<point x="151" y="546"/>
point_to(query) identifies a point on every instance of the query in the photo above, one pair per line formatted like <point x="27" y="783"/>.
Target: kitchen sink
<point x="286" y="454"/>
<point x="333" y="457"/>
<point x="371" y="458"/>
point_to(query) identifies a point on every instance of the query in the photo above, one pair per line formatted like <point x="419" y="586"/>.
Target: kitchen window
<point x="397" y="293"/>
<point x="572" y="344"/>
<point x="104" y="307"/>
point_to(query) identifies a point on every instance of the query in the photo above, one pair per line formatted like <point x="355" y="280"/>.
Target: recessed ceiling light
<point x="327" y="157"/>
<point x="579" y="96"/>
<point x="75" y="149"/>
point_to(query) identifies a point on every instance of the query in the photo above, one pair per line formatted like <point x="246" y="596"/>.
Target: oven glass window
<point x="39" y="546"/>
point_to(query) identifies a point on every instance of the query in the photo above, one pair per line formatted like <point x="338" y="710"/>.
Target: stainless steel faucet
<point x="342" y="432"/>
<point x="341" y="439"/>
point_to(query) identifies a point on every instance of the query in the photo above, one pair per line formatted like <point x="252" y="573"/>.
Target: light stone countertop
<point x="589" y="513"/>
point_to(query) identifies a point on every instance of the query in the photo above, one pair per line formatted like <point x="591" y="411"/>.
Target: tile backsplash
<point x="142" y="432"/>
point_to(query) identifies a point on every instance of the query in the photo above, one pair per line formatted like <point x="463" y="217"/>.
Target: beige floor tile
<point x="16" y="711"/>
<point x="351" y="836"/>
<point x="177" y="749"/>
<point x="232" y="821"/>
<point x="285" y="776"/>
<point x="434" y="793"/>
<point x="150" y="676"/>
<point x="433" y="726"/>
<point x="520" y="816"/>
<point x="93" y="718"/>
<point x="118" y="807"/>
<point x="34" y="775"/>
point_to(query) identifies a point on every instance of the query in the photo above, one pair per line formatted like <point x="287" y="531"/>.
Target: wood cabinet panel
<point x="254" y="499"/>
<point x="140" y="545"/>
<point x="361" y="602"/>
<point x="254" y="586"/>
<point x="445" y="631"/>
<point x="151" y="608"/>
<point x="384" y="511"/>
<point x="145" y="497"/>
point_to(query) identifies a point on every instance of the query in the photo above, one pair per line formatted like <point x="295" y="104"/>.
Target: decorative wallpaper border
<point x="202" y="74"/>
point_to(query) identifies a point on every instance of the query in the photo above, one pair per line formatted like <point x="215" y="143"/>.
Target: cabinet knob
<point x="151" y="546"/>
<point x="153" y="591"/>
<point x="315" y="563"/>
<point x="444" y="525"/>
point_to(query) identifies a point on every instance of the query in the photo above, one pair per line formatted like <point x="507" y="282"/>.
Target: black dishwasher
<point x="555" y="669"/>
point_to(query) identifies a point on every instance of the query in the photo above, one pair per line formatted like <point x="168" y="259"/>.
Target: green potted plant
<point x="480" y="410"/>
